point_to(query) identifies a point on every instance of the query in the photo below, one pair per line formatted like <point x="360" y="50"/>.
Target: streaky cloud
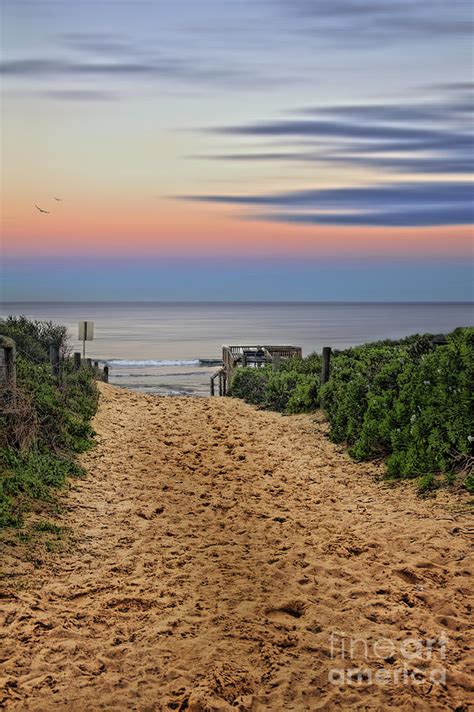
<point x="167" y="69"/>
<point x="80" y="95"/>
<point x="401" y="204"/>
<point x="420" y="137"/>
<point x="403" y="193"/>
<point x="315" y="128"/>
<point x="422" y="217"/>
<point x="380" y="20"/>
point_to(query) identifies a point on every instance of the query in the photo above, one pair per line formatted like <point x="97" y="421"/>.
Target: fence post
<point x="77" y="360"/>
<point x="106" y="374"/>
<point x="7" y="362"/>
<point x="326" y="365"/>
<point x="89" y="362"/>
<point x="96" y="364"/>
<point x="213" y="391"/>
<point x="54" y="359"/>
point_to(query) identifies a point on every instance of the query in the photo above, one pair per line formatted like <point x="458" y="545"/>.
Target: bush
<point x="305" y="397"/>
<point x="292" y="389"/>
<point x="33" y="338"/>
<point x="433" y="409"/>
<point x="43" y="421"/>
<point x="288" y="391"/>
<point x="250" y="384"/>
<point x="406" y="401"/>
<point x="469" y="483"/>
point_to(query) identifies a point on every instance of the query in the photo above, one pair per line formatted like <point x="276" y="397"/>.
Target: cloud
<point x="105" y="43"/>
<point x="37" y="68"/>
<point x="379" y="20"/>
<point x="431" y="164"/>
<point x="133" y="68"/>
<point x="80" y="95"/>
<point x="453" y="86"/>
<point x="319" y="128"/>
<point x="431" y="217"/>
<point x="428" y="136"/>
<point x="408" y="193"/>
<point x="256" y="156"/>
<point x="424" y="136"/>
<point x="394" y="204"/>
<point x="428" y="111"/>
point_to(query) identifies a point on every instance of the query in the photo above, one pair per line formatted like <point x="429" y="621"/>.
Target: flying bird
<point x="41" y="209"/>
<point x="60" y="200"/>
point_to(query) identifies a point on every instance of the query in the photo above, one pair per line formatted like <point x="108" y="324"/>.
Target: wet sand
<point x="220" y="555"/>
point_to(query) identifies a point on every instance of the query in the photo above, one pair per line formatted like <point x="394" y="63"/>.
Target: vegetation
<point x="406" y="402"/>
<point x="294" y="388"/>
<point x="44" y="421"/>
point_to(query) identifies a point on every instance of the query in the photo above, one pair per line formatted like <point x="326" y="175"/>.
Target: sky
<point x="236" y="150"/>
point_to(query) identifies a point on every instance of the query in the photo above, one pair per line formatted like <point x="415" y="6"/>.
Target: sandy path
<point x="217" y="550"/>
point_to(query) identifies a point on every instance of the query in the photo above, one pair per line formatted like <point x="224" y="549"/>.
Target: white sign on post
<point x="86" y="333"/>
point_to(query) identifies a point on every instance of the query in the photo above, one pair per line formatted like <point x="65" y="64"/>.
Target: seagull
<point x="60" y="200"/>
<point x="41" y="209"/>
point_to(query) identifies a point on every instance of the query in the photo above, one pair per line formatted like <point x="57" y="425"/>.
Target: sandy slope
<point x="217" y="550"/>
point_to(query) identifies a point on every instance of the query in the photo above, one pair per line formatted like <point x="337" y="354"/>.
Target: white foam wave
<point x="151" y="362"/>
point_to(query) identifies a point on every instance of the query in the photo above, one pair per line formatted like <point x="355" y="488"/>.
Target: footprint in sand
<point x="408" y="575"/>
<point x="292" y="610"/>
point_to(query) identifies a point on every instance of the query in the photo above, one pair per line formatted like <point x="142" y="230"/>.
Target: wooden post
<point x="77" y="360"/>
<point x="326" y="365"/>
<point x="220" y="383"/>
<point x="213" y="390"/>
<point x="224" y="383"/>
<point x="96" y="364"/>
<point x="89" y="362"/>
<point x="7" y="362"/>
<point x="106" y="374"/>
<point x="54" y="359"/>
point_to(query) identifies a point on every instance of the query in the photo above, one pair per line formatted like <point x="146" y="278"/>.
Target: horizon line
<point x="248" y="302"/>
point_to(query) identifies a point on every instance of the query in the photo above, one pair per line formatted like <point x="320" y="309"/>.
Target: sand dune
<point x="217" y="551"/>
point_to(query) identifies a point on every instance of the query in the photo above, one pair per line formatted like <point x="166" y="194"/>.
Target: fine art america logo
<point x="410" y="661"/>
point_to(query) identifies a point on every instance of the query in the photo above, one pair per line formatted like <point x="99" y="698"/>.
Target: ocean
<point x="160" y="347"/>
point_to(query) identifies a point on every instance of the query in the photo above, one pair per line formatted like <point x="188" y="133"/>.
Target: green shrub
<point x="305" y="396"/>
<point x="44" y="421"/>
<point x="433" y="409"/>
<point x="250" y="384"/>
<point x="310" y="365"/>
<point x="427" y="483"/>
<point x="49" y="527"/>
<point x="63" y="409"/>
<point x="291" y="389"/>
<point x="406" y="401"/>
<point x="282" y="386"/>
<point x="33" y="474"/>
<point x="33" y="338"/>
